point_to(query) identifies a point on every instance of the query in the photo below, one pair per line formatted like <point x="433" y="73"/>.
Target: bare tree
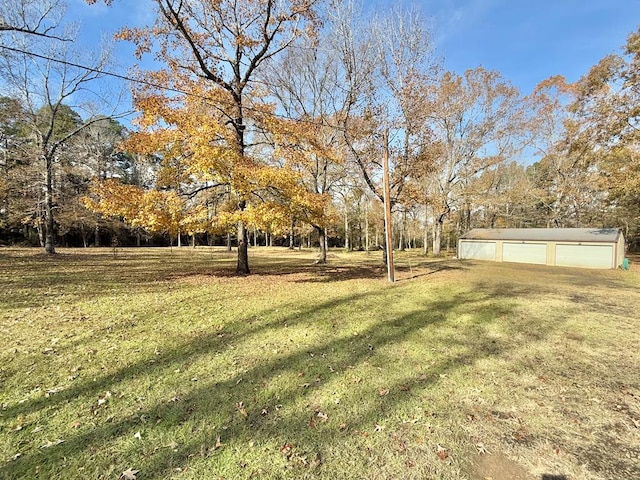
<point x="34" y="17"/>
<point x="385" y="64"/>
<point x="42" y="73"/>
<point x="476" y="120"/>
<point x="304" y="83"/>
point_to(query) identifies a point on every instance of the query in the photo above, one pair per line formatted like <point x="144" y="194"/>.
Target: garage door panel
<point x="478" y="250"/>
<point x="525" y="253"/>
<point x="590" y="256"/>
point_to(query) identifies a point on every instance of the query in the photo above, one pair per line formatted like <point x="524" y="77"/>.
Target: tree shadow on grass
<point x="38" y="281"/>
<point x="425" y="270"/>
<point x="236" y="405"/>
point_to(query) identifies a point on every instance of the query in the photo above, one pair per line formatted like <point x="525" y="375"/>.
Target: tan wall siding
<point x="615" y="251"/>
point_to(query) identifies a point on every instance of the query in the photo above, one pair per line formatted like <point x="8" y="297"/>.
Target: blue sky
<point x="530" y="40"/>
<point x="525" y="40"/>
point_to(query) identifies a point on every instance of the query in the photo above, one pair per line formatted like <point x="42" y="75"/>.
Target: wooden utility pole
<point x="387" y="210"/>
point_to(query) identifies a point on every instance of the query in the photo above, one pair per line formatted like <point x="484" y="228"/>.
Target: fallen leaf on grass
<point x="287" y="449"/>
<point x="441" y="452"/>
<point x="481" y="449"/>
<point x="102" y="400"/>
<point x="240" y="408"/>
<point x="53" y="391"/>
<point x="52" y="443"/>
<point x="129" y="474"/>
<point x="137" y="435"/>
<point x="317" y="414"/>
<point x="317" y="461"/>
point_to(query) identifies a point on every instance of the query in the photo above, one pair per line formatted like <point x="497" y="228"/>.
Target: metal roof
<point x="608" y="235"/>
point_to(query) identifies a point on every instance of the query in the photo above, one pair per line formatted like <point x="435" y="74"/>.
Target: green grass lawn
<point x="159" y="363"/>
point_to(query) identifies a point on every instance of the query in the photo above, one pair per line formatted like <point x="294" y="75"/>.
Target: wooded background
<point x="265" y="125"/>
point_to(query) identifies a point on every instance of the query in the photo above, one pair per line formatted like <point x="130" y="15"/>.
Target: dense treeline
<point x="258" y="131"/>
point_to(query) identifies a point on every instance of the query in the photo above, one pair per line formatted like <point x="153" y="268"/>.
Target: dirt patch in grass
<point x="499" y="467"/>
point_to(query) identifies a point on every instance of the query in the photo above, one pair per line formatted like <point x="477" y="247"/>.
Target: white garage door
<point x="525" y="253"/>
<point x="590" y="256"/>
<point x="477" y="250"/>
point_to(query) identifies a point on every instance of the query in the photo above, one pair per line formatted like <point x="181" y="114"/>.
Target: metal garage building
<point x="567" y="247"/>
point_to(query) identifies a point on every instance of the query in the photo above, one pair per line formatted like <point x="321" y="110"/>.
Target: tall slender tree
<point x="309" y="139"/>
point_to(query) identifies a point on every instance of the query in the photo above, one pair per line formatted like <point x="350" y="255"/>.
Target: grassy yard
<point x="159" y="363"/>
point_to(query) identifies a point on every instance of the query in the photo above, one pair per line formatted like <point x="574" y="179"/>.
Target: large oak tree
<point x="212" y="110"/>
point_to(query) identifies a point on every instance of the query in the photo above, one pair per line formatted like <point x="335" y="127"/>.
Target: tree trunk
<point x="49" y="241"/>
<point x="437" y="235"/>
<point x="292" y="234"/>
<point x="40" y="230"/>
<point x="229" y="241"/>
<point x="425" y="238"/>
<point x="96" y="236"/>
<point x="323" y="242"/>
<point x="347" y="244"/>
<point x="243" y="243"/>
<point x="366" y="231"/>
<point x="401" y="232"/>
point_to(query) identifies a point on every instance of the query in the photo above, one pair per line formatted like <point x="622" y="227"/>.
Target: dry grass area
<point x="159" y="363"/>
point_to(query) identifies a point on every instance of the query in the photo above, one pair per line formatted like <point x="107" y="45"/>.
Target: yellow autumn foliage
<point x="154" y="210"/>
<point x="196" y="146"/>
